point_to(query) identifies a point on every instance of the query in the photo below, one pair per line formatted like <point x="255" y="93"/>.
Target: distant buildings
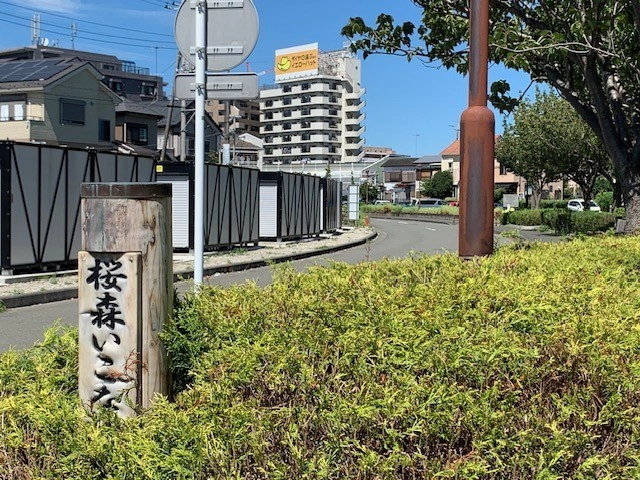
<point x="313" y="115"/>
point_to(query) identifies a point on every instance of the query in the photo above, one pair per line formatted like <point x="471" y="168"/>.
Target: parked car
<point x="429" y="202"/>
<point x="578" y="205"/>
<point x="381" y="202"/>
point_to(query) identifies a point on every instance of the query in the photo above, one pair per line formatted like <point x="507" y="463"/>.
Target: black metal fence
<point x="290" y="205"/>
<point x="40" y="189"/>
<point x="40" y="200"/>
<point x="231" y="209"/>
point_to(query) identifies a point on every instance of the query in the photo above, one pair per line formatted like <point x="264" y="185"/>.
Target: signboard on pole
<point x="231" y="33"/>
<point x="221" y="86"/>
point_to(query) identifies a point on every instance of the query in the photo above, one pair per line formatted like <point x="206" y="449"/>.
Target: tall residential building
<point x="241" y="116"/>
<point x="314" y="112"/>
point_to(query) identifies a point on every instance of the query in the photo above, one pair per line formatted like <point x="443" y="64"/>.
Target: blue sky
<point x="411" y="107"/>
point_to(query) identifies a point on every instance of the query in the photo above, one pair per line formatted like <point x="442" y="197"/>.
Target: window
<point x="268" y="128"/>
<point x="286" y="113"/>
<point x="115" y="85"/>
<point x="305" y="124"/>
<point x="306" y="136"/>
<point x="333" y="111"/>
<point x="147" y="90"/>
<point x="333" y="99"/>
<point x="286" y="88"/>
<point x="503" y="170"/>
<point x="137" y="134"/>
<point x="287" y="138"/>
<point x="71" y="111"/>
<point x="269" y="103"/>
<point x="305" y="86"/>
<point x="287" y="101"/>
<point x="306" y="111"/>
<point x="306" y="98"/>
<point x="306" y="149"/>
<point x="268" y="115"/>
<point x="287" y="126"/>
<point x="255" y="118"/>
<point x="104" y="130"/>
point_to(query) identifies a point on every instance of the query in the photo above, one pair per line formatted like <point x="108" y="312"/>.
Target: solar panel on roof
<point x="30" y="70"/>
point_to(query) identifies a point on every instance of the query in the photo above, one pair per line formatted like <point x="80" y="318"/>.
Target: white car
<point x="578" y="205"/>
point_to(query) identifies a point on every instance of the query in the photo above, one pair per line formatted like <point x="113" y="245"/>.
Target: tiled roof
<point x="453" y="149"/>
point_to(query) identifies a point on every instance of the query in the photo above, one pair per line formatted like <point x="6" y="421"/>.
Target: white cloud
<point x="64" y="6"/>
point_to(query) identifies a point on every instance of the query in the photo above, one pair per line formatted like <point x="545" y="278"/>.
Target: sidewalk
<point x="30" y="289"/>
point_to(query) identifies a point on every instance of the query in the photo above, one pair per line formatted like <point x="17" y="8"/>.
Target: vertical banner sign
<point x="109" y="331"/>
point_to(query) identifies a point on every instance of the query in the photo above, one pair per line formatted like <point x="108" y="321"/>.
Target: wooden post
<point x="125" y="288"/>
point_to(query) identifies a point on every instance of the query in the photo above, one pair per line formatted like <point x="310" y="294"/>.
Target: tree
<point x="589" y="52"/>
<point x="440" y="185"/>
<point x="546" y="141"/>
<point x="368" y="192"/>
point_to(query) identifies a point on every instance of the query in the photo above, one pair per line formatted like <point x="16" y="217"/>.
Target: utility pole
<point x="74" y="34"/>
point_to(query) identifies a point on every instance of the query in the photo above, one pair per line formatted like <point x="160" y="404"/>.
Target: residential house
<point x="57" y="101"/>
<point x="179" y="126"/>
<point x="503" y="178"/>
<point x="124" y="77"/>
<point x="399" y="178"/>
<point x="137" y="126"/>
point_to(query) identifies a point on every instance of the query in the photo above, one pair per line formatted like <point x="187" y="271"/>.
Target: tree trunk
<point x="632" y="209"/>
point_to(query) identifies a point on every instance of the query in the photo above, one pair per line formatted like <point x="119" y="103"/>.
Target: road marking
<point x="403" y="223"/>
<point x="432" y="229"/>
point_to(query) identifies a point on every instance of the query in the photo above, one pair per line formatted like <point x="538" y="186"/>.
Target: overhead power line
<point x="108" y="41"/>
<point x="89" y="22"/>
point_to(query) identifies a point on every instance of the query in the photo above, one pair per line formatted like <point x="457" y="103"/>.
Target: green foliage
<point x="523" y="217"/>
<point x="522" y="365"/>
<point x="3" y="307"/>
<point x="605" y="200"/>
<point x="545" y="204"/>
<point x="592" y="222"/>
<point x="438" y="186"/>
<point x="564" y="222"/>
<point x="368" y="192"/>
<point x="545" y="39"/>
<point x="498" y="193"/>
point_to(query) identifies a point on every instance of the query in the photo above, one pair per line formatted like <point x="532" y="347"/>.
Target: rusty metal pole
<point x="477" y="127"/>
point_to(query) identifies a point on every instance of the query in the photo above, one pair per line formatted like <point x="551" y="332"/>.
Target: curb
<point x="48" y="296"/>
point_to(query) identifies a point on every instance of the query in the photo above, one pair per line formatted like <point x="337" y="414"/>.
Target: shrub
<point x="546" y="204"/>
<point x="521" y="365"/>
<point x="605" y="201"/>
<point x="523" y="217"/>
<point x="557" y="220"/>
<point x="592" y="222"/>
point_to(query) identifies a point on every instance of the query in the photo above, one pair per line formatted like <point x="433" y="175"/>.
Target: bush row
<point x="521" y="365"/>
<point x="562" y="221"/>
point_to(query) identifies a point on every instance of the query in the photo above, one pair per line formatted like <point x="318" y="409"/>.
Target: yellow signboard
<point x="296" y="62"/>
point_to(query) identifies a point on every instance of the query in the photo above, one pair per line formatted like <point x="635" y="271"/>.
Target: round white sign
<point x="232" y="32"/>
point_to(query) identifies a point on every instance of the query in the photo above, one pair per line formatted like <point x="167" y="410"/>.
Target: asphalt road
<point x="22" y="327"/>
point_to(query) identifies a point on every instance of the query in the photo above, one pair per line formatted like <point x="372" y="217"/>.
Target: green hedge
<point x="522" y="217"/>
<point x="522" y="365"/>
<point x="562" y="221"/>
<point x="545" y="204"/>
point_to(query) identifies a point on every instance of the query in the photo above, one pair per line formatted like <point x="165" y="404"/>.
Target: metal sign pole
<point x="201" y="68"/>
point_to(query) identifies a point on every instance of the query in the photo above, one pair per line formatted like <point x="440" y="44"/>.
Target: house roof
<point x="399" y="162"/>
<point x="141" y="108"/>
<point x="30" y="75"/>
<point x="428" y="160"/>
<point x="453" y="149"/>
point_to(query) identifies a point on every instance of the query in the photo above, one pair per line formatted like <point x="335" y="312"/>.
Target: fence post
<point x="125" y="294"/>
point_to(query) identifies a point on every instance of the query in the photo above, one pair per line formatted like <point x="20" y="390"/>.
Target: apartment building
<point x="239" y="116"/>
<point x="313" y="115"/>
